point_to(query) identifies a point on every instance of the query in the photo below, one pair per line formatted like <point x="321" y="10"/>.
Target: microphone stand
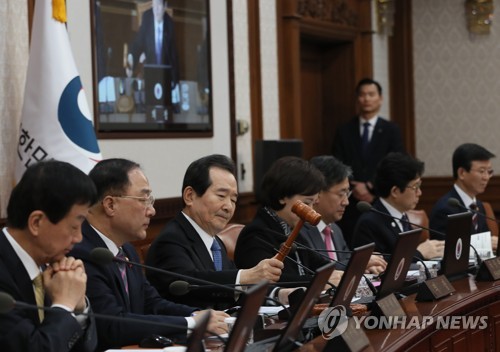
<point x="453" y="202"/>
<point x="7" y="303"/>
<point x="102" y="256"/>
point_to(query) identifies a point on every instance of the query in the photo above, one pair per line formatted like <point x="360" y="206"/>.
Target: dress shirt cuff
<point x="191" y="324"/>
<point x="273" y="294"/>
<point x="81" y="317"/>
<point x="237" y="282"/>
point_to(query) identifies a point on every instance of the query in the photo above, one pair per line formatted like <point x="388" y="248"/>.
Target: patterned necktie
<point x="39" y="294"/>
<point x="405" y="222"/>
<point x="216" y="252"/>
<point x="158" y="45"/>
<point x="473" y="207"/>
<point x="123" y="268"/>
<point x="327" y="233"/>
<point x="364" y="139"/>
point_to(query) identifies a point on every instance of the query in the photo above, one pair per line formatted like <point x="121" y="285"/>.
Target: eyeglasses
<point x="344" y="193"/>
<point x="483" y="172"/>
<point x="415" y="187"/>
<point x="148" y="201"/>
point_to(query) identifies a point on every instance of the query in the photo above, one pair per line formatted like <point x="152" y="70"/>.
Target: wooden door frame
<point x="296" y="18"/>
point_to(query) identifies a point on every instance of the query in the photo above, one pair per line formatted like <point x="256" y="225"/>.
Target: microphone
<point x="180" y="287"/>
<point x="7" y="303"/>
<point x="454" y="202"/>
<point x="364" y="207"/>
<point x="104" y="256"/>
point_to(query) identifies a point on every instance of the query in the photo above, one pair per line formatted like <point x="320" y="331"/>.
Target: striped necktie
<point x="473" y="207"/>
<point x="123" y="268"/>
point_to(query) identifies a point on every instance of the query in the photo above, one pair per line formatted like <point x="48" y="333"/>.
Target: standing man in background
<point x="155" y="44"/>
<point x="361" y="143"/>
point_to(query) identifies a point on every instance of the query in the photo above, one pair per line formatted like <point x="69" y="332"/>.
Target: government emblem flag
<point x="56" y="122"/>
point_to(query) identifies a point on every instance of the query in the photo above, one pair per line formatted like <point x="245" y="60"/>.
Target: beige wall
<point x="457" y="85"/>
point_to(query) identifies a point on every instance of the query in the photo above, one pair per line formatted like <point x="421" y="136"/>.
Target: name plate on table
<point x="489" y="270"/>
<point x="351" y="340"/>
<point x="388" y="306"/>
<point x="435" y="288"/>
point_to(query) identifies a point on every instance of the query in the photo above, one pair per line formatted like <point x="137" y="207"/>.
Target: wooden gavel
<point x="305" y="213"/>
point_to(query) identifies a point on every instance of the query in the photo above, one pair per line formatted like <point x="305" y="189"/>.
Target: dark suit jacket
<point x="250" y="251"/>
<point x="441" y="210"/>
<point x="179" y="248"/>
<point x="20" y="329"/>
<point x="386" y="138"/>
<point x="315" y="240"/>
<point x="382" y="230"/>
<point x="145" y="42"/>
<point x="107" y="295"/>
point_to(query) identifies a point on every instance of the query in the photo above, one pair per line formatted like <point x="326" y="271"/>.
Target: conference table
<point x="471" y="299"/>
<point x="478" y="300"/>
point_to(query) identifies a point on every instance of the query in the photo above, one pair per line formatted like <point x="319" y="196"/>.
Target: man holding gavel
<point x="188" y="244"/>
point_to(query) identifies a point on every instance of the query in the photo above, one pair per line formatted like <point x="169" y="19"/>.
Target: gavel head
<point x="306" y="213"/>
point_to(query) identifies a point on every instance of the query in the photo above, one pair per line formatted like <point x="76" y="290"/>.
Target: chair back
<point x="229" y="236"/>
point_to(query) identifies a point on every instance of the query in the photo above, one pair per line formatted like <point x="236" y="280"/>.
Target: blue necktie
<point x="216" y="252"/>
<point x="158" y="45"/>
<point x="364" y="139"/>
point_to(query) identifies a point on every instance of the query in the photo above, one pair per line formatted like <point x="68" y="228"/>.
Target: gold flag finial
<point x="59" y="10"/>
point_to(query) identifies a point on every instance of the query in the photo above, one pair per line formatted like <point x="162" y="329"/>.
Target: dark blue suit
<point x="145" y="42"/>
<point x="441" y="210"/>
<point x="20" y="329"/>
<point x="179" y="248"/>
<point x="386" y="138"/>
<point x="382" y="230"/>
<point x="107" y="296"/>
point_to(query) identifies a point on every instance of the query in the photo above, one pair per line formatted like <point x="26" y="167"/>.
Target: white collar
<point x="28" y="262"/>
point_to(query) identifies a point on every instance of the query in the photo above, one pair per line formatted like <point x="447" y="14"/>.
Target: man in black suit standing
<point x="122" y="214"/>
<point x="472" y="171"/>
<point x="398" y="182"/>
<point x="44" y="215"/>
<point x="155" y="43"/>
<point x="331" y="204"/>
<point x="189" y="245"/>
<point x="361" y="143"/>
